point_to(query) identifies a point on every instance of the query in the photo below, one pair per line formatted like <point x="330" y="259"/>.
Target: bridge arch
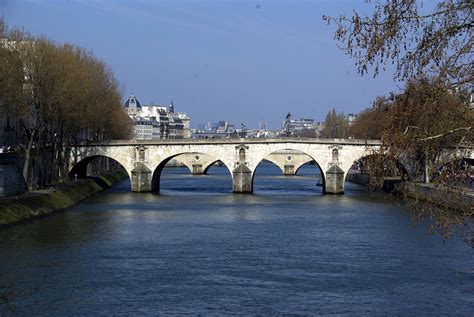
<point x="288" y="164"/>
<point x="79" y="169"/>
<point x="211" y="164"/>
<point x="157" y="171"/>
<point x="392" y="163"/>
<point x="386" y="168"/>
<point x="305" y="163"/>
<point x="196" y="162"/>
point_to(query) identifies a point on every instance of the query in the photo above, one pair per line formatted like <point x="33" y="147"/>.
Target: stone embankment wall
<point x="60" y="197"/>
<point x="389" y="184"/>
<point x="358" y="178"/>
<point x="460" y="198"/>
<point x="11" y="178"/>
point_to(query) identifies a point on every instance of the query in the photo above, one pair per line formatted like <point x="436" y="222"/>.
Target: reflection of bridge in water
<point x="144" y="161"/>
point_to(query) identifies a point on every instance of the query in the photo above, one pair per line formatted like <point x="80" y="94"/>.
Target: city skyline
<point x="245" y="62"/>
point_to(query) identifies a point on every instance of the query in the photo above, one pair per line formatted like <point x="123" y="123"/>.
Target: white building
<point x="153" y="122"/>
<point x="296" y="126"/>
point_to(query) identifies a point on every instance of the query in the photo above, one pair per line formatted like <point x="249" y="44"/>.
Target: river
<point x="199" y="249"/>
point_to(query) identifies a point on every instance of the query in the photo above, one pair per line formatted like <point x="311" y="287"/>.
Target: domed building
<point x="133" y="105"/>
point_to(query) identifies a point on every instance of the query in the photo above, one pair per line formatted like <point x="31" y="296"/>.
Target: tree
<point x="335" y="125"/>
<point x="417" y="40"/>
<point x="431" y="48"/>
<point x="426" y="120"/>
<point x="61" y="95"/>
<point x="370" y="123"/>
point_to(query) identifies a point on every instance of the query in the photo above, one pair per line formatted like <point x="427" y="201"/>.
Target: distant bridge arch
<point x="190" y="159"/>
<point x="289" y="160"/>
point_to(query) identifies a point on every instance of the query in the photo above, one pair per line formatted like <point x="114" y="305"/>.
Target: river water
<point x="199" y="249"/>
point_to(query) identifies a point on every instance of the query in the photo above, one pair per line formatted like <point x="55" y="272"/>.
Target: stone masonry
<point x="144" y="160"/>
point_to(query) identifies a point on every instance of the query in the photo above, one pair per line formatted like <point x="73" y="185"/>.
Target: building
<point x="186" y="121"/>
<point x="143" y="129"/>
<point x="220" y="130"/>
<point x="299" y="126"/>
<point x="180" y="122"/>
<point x="155" y="122"/>
<point x="350" y="118"/>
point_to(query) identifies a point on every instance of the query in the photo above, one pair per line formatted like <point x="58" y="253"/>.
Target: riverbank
<point x="461" y="199"/>
<point x="57" y="198"/>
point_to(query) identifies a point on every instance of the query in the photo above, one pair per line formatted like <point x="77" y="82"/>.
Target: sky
<point x="243" y="61"/>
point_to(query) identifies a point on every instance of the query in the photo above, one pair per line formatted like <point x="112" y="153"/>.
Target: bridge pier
<point x="242" y="179"/>
<point x="334" y="180"/>
<point x="197" y="169"/>
<point x="141" y="178"/>
<point x="241" y="156"/>
<point x="289" y="170"/>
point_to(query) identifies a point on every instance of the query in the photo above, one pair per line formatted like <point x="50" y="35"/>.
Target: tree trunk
<point x="426" y="172"/>
<point x="27" y="164"/>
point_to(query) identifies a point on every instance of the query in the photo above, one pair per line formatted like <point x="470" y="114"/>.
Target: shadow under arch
<point x="156" y="176"/>
<point x="378" y="170"/>
<point x="212" y="164"/>
<point x="302" y="166"/>
<point x="80" y="169"/>
<point x="318" y="182"/>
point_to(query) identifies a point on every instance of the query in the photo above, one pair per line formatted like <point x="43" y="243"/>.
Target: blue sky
<point x="237" y="60"/>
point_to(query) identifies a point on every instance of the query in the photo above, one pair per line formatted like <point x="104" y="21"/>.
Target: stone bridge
<point x="288" y="161"/>
<point x="144" y="161"/>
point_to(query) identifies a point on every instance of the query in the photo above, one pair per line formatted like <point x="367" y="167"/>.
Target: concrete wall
<point x="11" y="178"/>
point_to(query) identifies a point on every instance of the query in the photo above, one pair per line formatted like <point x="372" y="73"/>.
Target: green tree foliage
<point x="60" y="95"/>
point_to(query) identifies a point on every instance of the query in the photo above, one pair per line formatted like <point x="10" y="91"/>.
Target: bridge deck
<point x="240" y="141"/>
